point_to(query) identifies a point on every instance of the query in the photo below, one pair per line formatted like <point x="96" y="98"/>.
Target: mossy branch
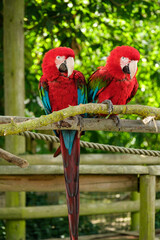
<point x="91" y="108"/>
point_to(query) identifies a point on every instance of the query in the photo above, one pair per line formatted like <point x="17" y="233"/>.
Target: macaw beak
<point x="70" y="65"/>
<point x="67" y="66"/>
<point x="133" y="68"/>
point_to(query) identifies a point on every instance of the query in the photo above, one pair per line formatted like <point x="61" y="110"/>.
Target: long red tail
<point x="71" y="174"/>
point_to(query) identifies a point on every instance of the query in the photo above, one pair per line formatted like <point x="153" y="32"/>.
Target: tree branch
<point x="9" y="157"/>
<point x="91" y="108"/>
<point x="94" y="124"/>
<point x="121" y="4"/>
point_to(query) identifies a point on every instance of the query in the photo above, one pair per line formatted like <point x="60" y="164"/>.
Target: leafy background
<point x="92" y="28"/>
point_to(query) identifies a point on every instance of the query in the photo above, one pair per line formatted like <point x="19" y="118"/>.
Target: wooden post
<point x="135" y="215"/>
<point x="14" y="97"/>
<point x="147" y="207"/>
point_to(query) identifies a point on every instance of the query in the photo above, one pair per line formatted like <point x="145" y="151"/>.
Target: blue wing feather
<point x="81" y="96"/>
<point x="45" y="100"/>
<point x="92" y="94"/>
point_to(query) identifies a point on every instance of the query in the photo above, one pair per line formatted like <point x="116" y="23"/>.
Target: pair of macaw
<point x="61" y="86"/>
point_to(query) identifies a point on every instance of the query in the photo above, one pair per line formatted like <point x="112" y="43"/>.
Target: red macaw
<point x="61" y="86"/>
<point x="116" y="81"/>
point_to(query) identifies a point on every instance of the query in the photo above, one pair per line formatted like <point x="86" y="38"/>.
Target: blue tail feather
<point x="68" y="137"/>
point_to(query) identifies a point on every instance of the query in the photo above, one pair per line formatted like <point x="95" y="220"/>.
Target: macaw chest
<point x="62" y="93"/>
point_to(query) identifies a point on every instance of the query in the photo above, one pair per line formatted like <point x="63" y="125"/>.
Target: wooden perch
<point x="91" y="108"/>
<point x="94" y="124"/>
<point x="9" y="157"/>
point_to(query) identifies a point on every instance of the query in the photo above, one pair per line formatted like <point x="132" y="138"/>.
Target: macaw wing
<point x="133" y="91"/>
<point x="81" y="87"/>
<point x="43" y="92"/>
<point x="99" y="80"/>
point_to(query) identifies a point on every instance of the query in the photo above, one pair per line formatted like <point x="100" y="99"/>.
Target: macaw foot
<point x="68" y="122"/>
<point x="110" y="105"/>
<point x="116" y="120"/>
<point x="63" y="123"/>
<point x="79" y="121"/>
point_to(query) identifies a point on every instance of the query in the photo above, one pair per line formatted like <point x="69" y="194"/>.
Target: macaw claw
<point x="110" y="105"/>
<point x="63" y="123"/>
<point x="116" y="120"/>
<point x="79" y="120"/>
<point x="67" y="123"/>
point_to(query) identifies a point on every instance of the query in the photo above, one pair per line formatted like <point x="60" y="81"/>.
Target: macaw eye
<point x="58" y="57"/>
<point x="123" y="58"/>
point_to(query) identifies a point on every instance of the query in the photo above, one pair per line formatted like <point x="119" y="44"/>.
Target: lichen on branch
<point x="90" y="108"/>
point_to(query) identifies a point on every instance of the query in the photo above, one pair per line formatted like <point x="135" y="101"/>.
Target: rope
<point x="97" y="146"/>
<point x="40" y="136"/>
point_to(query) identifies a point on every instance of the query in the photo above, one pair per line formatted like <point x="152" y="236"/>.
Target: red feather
<point x="118" y="91"/>
<point x="71" y="173"/>
<point x="62" y="93"/>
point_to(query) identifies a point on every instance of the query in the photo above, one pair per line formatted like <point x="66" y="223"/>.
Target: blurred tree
<point x="93" y="29"/>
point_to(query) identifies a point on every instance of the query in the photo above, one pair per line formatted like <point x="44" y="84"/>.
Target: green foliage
<point x="93" y="29"/>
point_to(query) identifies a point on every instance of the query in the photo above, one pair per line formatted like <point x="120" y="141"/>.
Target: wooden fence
<point x="98" y="173"/>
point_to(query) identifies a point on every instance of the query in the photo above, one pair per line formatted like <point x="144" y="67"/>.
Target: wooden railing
<point x="98" y="173"/>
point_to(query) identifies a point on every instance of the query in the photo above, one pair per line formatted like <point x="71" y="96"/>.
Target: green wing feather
<point x="81" y="87"/>
<point x="99" y="80"/>
<point x="43" y="93"/>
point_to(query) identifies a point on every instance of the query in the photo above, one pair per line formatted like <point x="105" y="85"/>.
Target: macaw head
<point x="58" y="62"/>
<point x="122" y="62"/>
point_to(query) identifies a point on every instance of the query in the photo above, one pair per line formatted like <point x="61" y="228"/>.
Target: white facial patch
<point x="124" y="61"/>
<point x="133" y="68"/>
<point x="70" y="65"/>
<point x="59" y="60"/>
